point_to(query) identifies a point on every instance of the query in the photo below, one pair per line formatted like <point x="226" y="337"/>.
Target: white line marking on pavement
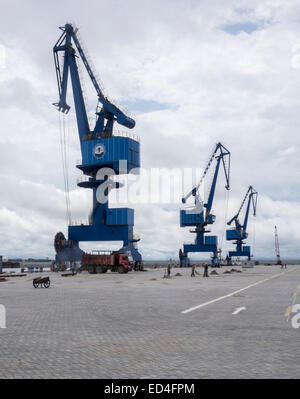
<point x="238" y="310"/>
<point x="234" y="292"/>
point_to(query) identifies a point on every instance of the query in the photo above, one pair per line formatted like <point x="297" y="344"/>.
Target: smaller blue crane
<point x="200" y="215"/>
<point x="239" y="232"/>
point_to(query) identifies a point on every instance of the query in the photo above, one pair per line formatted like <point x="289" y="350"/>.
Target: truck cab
<point x="125" y="261"/>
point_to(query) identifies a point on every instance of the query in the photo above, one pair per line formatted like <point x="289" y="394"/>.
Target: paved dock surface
<point x="140" y="325"/>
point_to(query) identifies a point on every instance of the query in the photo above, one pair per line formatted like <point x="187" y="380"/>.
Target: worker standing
<point x="180" y="257"/>
<point x="169" y="269"/>
<point x="205" y="274"/>
<point x="193" y="270"/>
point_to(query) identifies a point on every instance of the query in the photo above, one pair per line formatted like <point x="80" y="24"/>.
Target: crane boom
<point x="109" y="112"/>
<point x="223" y="152"/>
<point x="251" y="194"/>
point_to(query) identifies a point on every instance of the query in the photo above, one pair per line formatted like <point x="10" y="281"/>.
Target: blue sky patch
<point x="147" y="106"/>
<point x="235" y="29"/>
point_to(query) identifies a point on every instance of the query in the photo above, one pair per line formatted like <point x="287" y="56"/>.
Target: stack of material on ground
<point x="67" y="274"/>
<point x="14" y="275"/>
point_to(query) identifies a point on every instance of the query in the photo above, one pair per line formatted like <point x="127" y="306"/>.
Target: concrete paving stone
<point x="131" y="326"/>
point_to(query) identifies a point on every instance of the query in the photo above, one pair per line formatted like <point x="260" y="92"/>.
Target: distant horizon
<point x="47" y="259"/>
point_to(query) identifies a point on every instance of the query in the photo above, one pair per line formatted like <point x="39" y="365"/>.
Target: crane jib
<point x="109" y="112"/>
<point x="223" y="153"/>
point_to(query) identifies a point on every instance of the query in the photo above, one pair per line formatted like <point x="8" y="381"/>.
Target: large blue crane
<point x="199" y="216"/>
<point x="100" y="150"/>
<point x="239" y="231"/>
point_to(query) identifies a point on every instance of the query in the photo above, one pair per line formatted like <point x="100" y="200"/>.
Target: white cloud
<point x="241" y="89"/>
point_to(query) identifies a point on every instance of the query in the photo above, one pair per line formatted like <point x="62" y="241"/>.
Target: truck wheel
<point x="99" y="269"/>
<point x="122" y="269"/>
<point x="91" y="269"/>
<point x="104" y="269"/>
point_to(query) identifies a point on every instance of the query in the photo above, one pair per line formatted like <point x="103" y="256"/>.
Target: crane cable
<point x="225" y="217"/>
<point x="64" y="159"/>
<point x="253" y="242"/>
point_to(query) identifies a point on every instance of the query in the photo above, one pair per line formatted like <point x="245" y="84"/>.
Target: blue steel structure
<point x="100" y="149"/>
<point x="199" y="216"/>
<point x="239" y="233"/>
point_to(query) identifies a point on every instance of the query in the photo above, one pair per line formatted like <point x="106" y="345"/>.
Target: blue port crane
<point x="239" y="232"/>
<point x="101" y="149"/>
<point x="199" y="215"/>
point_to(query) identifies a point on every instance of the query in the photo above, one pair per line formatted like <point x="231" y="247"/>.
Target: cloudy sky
<point x="192" y="72"/>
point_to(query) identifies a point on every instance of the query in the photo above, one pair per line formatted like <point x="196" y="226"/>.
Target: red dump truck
<point x="101" y="262"/>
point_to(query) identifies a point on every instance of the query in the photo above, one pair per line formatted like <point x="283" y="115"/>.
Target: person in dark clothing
<point x="205" y="274"/>
<point x="193" y="270"/>
<point x="169" y="269"/>
<point x="181" y="257"/>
